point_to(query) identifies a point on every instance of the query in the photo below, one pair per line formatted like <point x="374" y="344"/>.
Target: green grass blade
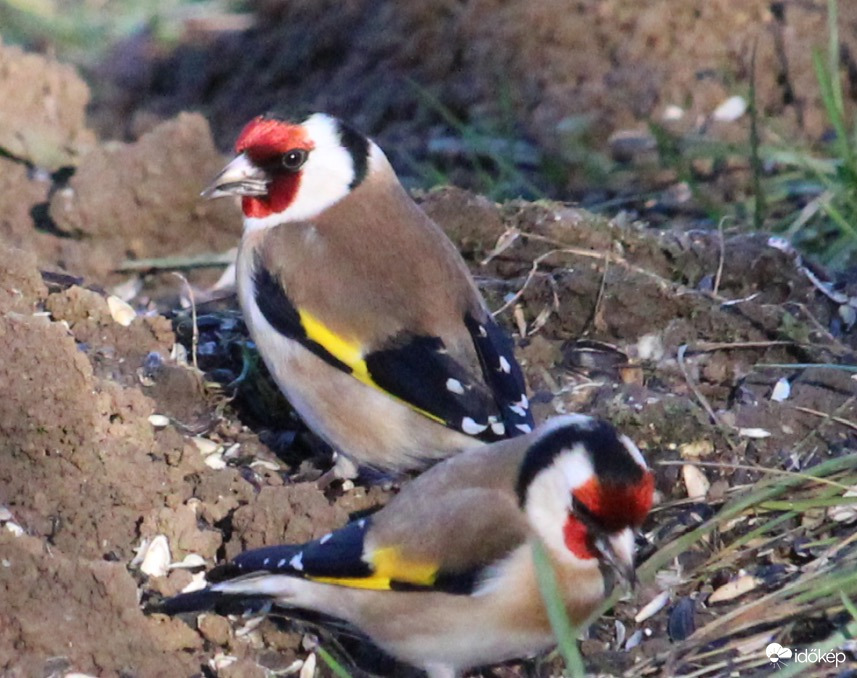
<point x="759" y="207"/>
<point x="336" y="668"/>
<point x="565" y="632"/>
<point x="802" y="366"/>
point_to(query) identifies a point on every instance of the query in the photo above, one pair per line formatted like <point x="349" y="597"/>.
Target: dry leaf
<point x="733" y="589"/>
<point x="696" y="449"/>
<point x="504" y="242"/>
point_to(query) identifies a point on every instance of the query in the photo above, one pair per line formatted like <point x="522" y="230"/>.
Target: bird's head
<point x="585" y="489"/>
<point x="286" y="171"/>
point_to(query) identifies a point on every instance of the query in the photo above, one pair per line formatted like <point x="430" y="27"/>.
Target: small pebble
<point x="695" y="481"/>
<point x="205" y="445"/>
<point x="730" y="110"/>
<point x="754" y="433"/>
<point x="782" y="390"/>
<point x="156" y="559"/>
<point x="215" y="461"/>
<point x="654" y="606"/>
<point x="159" y="420"/>
<point x="121" y="311"/>
<point x="672" y="112"/>
<point x="308" y="669"/>
<point x="221" y="661"/>
<point x="14" y="528"/>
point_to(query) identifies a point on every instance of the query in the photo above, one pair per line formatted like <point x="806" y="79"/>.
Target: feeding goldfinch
<point x="443" y="576"/>
<point x="362" y="308"/>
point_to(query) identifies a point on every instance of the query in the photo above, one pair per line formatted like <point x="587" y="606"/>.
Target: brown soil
<point x="663" y="332"/>
<point x="539" y="71"/>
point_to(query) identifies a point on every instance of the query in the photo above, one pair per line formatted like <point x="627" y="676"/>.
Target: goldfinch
<point x="362" y="308"/>
<point x="443" y="576"/>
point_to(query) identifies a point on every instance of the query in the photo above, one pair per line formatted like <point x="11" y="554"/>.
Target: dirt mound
<point x="42" y="125"/>
<point x="88" y="472"/>
<point x="118" y="201"/>
<point x="142" y="200"/>
<point x="547" y="71"/>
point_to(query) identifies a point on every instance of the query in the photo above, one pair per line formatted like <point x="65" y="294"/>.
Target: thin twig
<point x="709" y="346"/>
<point x="825" y="415"/>
<point x="825" y="420"/>
<point x="195" y="337"/>
<point x="208" y="260"/>
<point x="751" y="467"/>
<point x="532" y="274"/>
<point x="721" y="258"/>
<point x="600" y="296"/>
<point x="693" y="387"/>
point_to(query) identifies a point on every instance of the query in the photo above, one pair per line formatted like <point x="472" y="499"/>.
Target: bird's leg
<point x="343" y="469"/>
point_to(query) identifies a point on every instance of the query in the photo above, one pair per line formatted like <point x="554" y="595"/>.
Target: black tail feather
<point x="195" y="601"/>
<point x="223" y="572"/>
<point x="207" y="600"/>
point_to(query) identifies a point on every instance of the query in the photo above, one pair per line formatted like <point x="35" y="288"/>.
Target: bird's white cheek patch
<point x="259" y="223"/>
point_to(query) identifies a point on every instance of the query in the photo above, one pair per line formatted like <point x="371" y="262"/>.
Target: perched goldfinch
<point x="362" y="308"/>
<point x="443" y="577"/>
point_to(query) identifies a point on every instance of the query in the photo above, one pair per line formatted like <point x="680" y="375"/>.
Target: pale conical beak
<point x="239" y="177"/>
<point x="618" y="551"/>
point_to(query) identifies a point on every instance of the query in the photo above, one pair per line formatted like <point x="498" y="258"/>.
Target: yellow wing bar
<point x="350" y="353"/>
<point x="388" y="566"/>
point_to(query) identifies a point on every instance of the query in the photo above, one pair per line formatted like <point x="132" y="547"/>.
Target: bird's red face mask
<point x="600" y="511"/>
<point x="266" y="172"/>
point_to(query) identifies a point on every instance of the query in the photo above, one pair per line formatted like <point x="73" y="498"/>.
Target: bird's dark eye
<point x="292" y="160"/>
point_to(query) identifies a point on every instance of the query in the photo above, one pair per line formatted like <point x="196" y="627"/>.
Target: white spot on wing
<point x="325" y="538"/>
<point x="498" y="428"/>
<point x="524" y="428"/>
<point x="281" y="563"/>
<point x="471" y="428"/>
<point x="520" y="411"/>
<point x="361" y="523"/>
<point x="482" y="332"/>
<point x="265" y="562"/>
<point x="454" y="386"/>
<point x="297" y="562"/>
<point x="504" y="365"/>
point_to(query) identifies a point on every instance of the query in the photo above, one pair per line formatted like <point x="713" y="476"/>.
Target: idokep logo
<point x="778" y="655"/>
